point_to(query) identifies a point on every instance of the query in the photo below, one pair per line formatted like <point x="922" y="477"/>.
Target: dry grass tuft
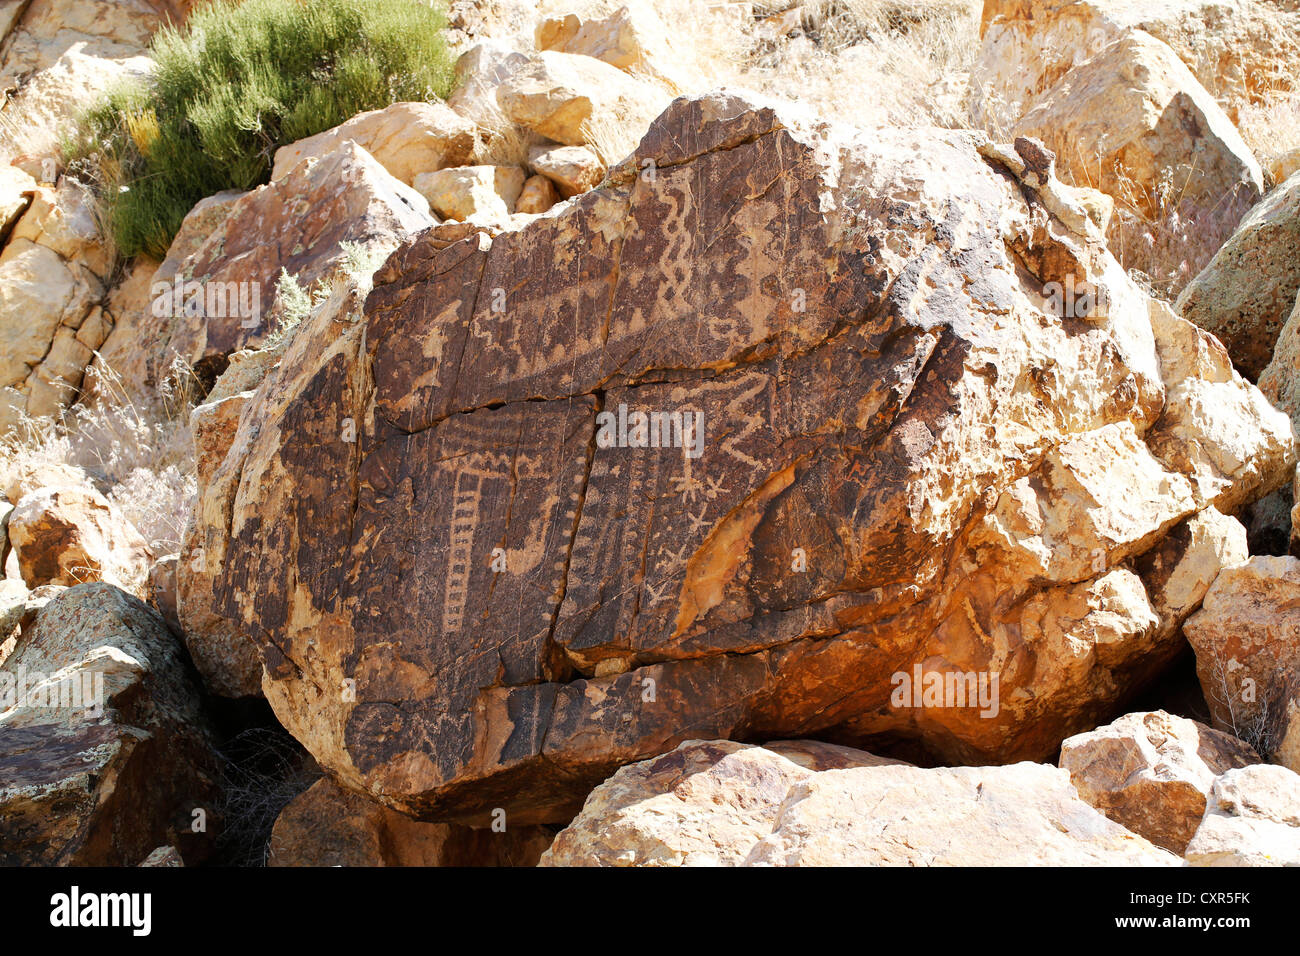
<point x="140" y="458"/>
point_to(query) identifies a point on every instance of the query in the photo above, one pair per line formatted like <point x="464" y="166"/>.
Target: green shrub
<point x="238" y="81"/>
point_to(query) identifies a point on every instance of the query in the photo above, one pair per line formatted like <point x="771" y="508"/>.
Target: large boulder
<point x="1238" y="49"/>
<point x="1151" y="772"/>
<point x="723" y="803"/>
<point x="138" y="355"/>
<point x="576" y="100"/>
<point x="480" y="193"/>
<point x="1134" y="123"/>
<point x="222" y="296"/>
<point x="53" y="274"/>
<point x="51" y="101"/>
<point x="1252" y="819"/>
<point x="478" y="581"/>
<point x="573" y="169"/>
<point x="104" y="753"/>
<point x="326" y="825"/>
<point x="1248" y="654"/>
<point x="41" y="31"/>
<point x="72" y="534"/>
<point x="1246" y="292"/>
<point x="406" y="139"/>
<point x="704" y="804"/>
<point x="633" y="38"/>
<point x="224" y="655"/>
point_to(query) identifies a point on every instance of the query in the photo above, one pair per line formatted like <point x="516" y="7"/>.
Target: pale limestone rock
<point x="721" y="803"/>
<point x="1216" y="429"/>
<point x="104" y="773"/>
<point x="1150" y="772"/>
<point x="1017" y="815"/>
<point x="480" y="70"/>
<point x="406" y="139"/>
<point x="326" y="825"/>
<point x="480" y="193"/>
<point x="704" y="804"/>
<point x="1247" y="642"/>
<point x="576" y="100"/>
<point x="69" y="535"/>
<point x="1248" y="290"/>
<point x="573" y="169"/>
<point x="110" y="29"/>
<point x="1132" y="120"/>
<point x="537" y="195"/>
<point x="1252" y="818"/>
<point x="16" y="188"/>
<point x="50" y="102"/>
<point x="1233" y="47"/>
<point x="52" y="276"/>
<point x="633" y="38"/>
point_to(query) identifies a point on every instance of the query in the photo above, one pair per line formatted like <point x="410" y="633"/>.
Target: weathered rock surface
<point x="906" y="460"/>
<point x="480" y="193"/>
<point x="51" y="100"/>
<point x="1280" y="380"/>
<point x="52" y="277"/>
<point x="571" y="98"/>
<point x="1132" y="121"/>
<point x="223" y="653"/>
<point x="105" y="785"/>
<point x="720" y="803"/>
<point x="1246" y="293"/>
<point x="162" y="590"/>
<point x="138" y="355"/>
<point x="704" y="804"/>
<point x="634" y="39"/>
<point x="1247" y="642"/>
<point x="406" y="139"/>
<point x="1252" y="819"/>
<point x="72" y="534"/>
<point x="299" y="224"/>
<point x="16" y="189"/>
<point x="1020" y="815"/>
<point x="329" y="826"/>
<point x="1234" y="47"/>
<point x="573" y="169"/>
<point x="164" y="856"/>
<point x="537" y="195"/>
<point x="43" y="30"/>
<point x="1151" y="772"/>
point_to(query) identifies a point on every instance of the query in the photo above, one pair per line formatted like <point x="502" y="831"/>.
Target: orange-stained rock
<point x="72" y="534"/>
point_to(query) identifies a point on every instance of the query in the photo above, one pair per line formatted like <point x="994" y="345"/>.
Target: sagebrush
<point x="238" y="81"/>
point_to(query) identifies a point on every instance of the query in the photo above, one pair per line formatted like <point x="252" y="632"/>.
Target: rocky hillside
<point x="745" y="433"/>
